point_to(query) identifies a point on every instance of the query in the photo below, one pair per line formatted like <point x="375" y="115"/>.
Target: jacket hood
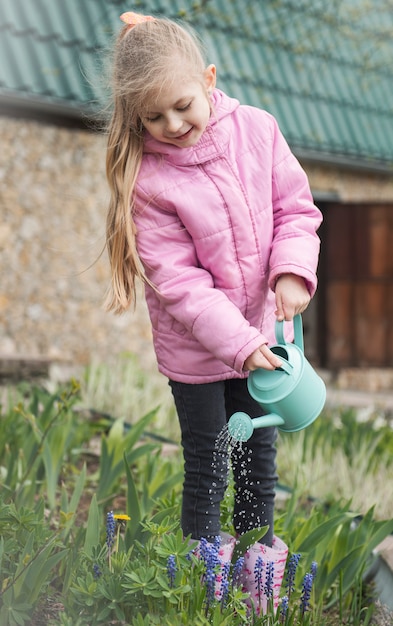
<point x="213" y="142"/>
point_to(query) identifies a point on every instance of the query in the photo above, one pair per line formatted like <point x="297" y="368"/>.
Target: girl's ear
<point x="210" y="76"/>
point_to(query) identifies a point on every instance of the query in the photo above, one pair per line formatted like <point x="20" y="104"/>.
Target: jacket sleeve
<point x="295" y="246"/>
<point x="186" y="290"/>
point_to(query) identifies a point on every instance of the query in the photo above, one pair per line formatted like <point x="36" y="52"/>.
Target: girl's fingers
<point x="270" y="360"/>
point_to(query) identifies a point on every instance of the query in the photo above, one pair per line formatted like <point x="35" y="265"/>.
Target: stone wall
<point x="53" y="198"/>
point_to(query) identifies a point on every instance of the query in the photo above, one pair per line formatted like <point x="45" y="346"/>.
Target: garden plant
<point x="90" y="503"/>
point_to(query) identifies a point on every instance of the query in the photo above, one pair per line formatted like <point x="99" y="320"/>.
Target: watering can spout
<point x="241" y="426"/>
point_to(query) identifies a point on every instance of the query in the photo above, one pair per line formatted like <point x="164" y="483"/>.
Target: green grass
<point x="122" y="389"/>
<point x="340" y="457"/>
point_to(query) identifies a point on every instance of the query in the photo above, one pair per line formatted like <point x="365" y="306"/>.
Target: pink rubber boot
<point x="263" y="573"/>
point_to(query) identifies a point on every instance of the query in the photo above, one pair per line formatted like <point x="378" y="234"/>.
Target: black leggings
<point x="203" y="411"/>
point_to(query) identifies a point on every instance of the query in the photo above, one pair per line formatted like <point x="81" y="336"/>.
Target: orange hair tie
<point x="132" y="19"/>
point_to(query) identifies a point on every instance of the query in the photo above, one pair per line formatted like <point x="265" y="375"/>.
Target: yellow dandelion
<point x="121" y="520"/>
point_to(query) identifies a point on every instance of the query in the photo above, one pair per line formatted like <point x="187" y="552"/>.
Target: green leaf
<point x="319" y="533"/>
<point x="379" y="532"/>
<point x="138" y="428"/>
<point x="40" y="571"/>
<point x="349" y="569"/>
<point x="1" y="552"/>
<point x="146" y="448"/>
<point x="71" y="507"/>
<point x="108" y="471"/>
<point x="133" y="505"/>
<point x="34" y="568"/>
<point x="160" y="516"/>
<point x="93" y="529"/>
<point x="247" y="540"/>
<point x="78" y="490"/>
<point x="167" y="485"/>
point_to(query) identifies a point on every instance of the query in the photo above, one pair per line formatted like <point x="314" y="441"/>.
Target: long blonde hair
<point x="146" y="58"/>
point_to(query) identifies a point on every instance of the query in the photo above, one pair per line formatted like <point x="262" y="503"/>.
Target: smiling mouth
<point x="185" y="135"/>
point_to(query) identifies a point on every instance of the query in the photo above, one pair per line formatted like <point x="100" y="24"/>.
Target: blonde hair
<point x="147" y="57"/>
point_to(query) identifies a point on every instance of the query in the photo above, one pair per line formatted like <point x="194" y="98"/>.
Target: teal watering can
<point x="292" y="395"/>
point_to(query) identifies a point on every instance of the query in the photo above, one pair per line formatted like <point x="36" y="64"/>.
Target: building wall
<point x="349" y="186"/>
<point x="53" y="198"/>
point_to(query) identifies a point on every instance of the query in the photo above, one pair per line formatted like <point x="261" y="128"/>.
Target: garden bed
<point x="64" y="466"/>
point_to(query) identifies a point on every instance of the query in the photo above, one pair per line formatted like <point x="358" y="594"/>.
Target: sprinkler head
<point x="240" y="426"/>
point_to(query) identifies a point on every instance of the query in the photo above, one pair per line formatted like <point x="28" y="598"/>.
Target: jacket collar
<point x="213" y="142"/>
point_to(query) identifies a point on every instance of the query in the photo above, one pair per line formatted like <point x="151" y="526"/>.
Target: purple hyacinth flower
<point x="171" y="569"/>
<point x="284" y="608"/>
<point x="258" y="570"/>
<point x="224" y="587"/>
<point x="306" y="592"/>
<point x="110" y="529"/>
<point x="217" y="543"/>
<point x="269" y="582"/>
<point x="209" y="554"/>
<point x="237" y="570"/>
<point x="291" y="573"/>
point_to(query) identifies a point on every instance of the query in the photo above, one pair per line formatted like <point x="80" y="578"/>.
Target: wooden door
<point x="355" y="312"/>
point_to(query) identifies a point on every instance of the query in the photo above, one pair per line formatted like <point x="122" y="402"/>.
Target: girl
<point x="210" y="209"/>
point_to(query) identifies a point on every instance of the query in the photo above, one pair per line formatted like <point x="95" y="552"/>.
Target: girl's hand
<point x="292" y="296"/>
<point x="263" y="358"/>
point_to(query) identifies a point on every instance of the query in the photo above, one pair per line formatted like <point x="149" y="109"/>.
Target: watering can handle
<point x="298" y="329"/>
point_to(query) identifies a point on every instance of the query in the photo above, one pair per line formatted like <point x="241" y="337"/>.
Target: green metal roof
<point x="325" y="73"/>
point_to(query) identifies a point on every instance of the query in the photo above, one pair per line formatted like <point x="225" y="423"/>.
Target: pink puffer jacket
<point x="217" y="223"/>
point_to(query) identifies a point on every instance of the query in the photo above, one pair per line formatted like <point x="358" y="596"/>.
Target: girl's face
<point x="182" y="112"/>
